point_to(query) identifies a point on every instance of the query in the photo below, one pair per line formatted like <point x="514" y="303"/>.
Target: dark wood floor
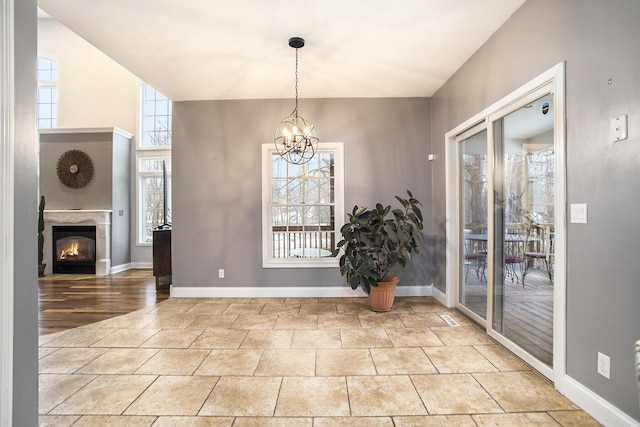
<point x="70" y="300"/>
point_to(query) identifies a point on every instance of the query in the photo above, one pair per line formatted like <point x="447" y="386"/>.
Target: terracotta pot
<point x="381" y="297"/>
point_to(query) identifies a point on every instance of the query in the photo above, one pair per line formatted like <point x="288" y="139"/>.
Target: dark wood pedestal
<point x="162" y="259"/>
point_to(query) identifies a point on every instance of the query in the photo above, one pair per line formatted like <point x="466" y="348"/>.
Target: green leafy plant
<point x="40" y="231"/>
<point x="376" y="240"/>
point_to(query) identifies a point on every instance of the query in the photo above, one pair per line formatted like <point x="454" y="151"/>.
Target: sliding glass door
<point x="524" y="226"/>
<point x="505" y="195"/>
<point x="473" y="164"/>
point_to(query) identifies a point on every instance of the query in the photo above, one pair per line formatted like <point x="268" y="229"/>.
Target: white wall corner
<point x="439" y="295"/>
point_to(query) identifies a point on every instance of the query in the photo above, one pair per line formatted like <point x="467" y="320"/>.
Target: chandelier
<point x="295" y="138"/>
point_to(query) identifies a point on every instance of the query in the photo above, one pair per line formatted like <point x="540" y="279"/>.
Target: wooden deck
<point x="528" y="317"/>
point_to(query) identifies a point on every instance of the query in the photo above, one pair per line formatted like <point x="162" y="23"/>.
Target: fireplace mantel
<point x="102" y="221"/>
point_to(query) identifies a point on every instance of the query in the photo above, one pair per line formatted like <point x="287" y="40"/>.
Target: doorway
<point x="505" y="228"/>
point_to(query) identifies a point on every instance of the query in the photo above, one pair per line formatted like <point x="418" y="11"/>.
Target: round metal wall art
<point x="75" y="169"/>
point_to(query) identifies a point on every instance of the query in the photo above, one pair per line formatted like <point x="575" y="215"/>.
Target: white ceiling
<point x="224" y="49"/>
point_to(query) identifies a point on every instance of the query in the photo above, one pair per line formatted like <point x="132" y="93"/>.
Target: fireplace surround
<point x="100" y="219"/>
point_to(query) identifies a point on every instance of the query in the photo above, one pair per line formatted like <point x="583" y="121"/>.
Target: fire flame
<point x="70" y="251"/>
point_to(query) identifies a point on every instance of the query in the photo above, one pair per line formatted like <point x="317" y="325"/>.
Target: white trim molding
<point x="439" y="295"/>
<point x="112" y="130"/>
<point x="600" y="409"/>
<point x="7" y="142"/>
<point x="120" y="268"/>
<point x="141" y="265"/>
<point x="288" y="292"/>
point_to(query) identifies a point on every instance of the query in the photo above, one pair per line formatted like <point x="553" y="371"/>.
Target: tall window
<point x="153" y="160"/>
<point x="303" y="208"/>
<point x="47" y="97"/>
<point x="156" y="119"/>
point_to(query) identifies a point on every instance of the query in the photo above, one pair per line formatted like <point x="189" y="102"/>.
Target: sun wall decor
<point x="75" y="169"/>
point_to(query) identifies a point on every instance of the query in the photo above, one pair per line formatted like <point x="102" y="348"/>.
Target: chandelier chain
<point x="296" y="109"/>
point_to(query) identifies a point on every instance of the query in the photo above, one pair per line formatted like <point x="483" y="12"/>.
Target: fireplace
<point x="74" y="249"/>
<point x="98" y="219"/>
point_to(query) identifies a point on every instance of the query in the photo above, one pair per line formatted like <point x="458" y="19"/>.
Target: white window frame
<point x="146" y="152"/>
<point x="141" y="175"/>
<point x="48" y="84"/>
<point x="267" y="261"/>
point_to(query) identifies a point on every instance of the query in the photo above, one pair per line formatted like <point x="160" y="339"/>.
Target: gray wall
<point x="25" y="323"/>
<point x="97" y="193"/>
<point x="217" y="203"/>
<point x="110" y="153"/>
<point x="121" y="201"/>
<point x="599" y="41"/>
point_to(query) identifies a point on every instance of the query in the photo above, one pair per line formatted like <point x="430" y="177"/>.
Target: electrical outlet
<point x="604" y="365"/>
<point x="221" y="273"/>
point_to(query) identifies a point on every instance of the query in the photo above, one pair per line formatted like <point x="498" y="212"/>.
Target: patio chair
<point x="515" y="242"/>
<point x="540" y="257"/>
<point x="475" y="259"/>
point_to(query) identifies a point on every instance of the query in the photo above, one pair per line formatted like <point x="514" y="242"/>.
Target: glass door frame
<point x="551" y="82"/>
<point x="459" y="138"/>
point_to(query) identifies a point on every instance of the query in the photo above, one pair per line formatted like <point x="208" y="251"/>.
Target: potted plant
<point x="41" y="265"/>
<point x="376" y="240"/>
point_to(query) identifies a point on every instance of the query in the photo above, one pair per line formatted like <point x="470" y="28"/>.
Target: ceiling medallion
<point x="75" y="169"/>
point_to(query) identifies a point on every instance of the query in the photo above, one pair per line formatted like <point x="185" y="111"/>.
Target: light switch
<point x="619" y="128"/>
<point x="578" y="213"/>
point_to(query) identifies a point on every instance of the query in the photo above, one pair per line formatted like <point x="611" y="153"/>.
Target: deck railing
<point x="284" y="241"/>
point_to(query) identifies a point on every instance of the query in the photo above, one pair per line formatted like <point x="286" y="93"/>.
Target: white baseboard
<point x="600" y="409"/>
<point x="131" y="266"/>
<point x="119" y="268"/>
<point x="414" y="291"/>
<point x="142" y="265"/>
<point x="287" y="292"/>
<point x="439" y="295"/>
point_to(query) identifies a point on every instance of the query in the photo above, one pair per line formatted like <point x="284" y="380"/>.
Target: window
<point x="156" y="119"/>
<point x="303" y="208"/>
<point x="47" y="96"/>
<point x="150" y="173"/>
<point x="153" y="159"/>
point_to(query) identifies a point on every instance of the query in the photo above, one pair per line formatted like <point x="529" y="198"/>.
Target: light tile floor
<point x="290" y="362"/>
